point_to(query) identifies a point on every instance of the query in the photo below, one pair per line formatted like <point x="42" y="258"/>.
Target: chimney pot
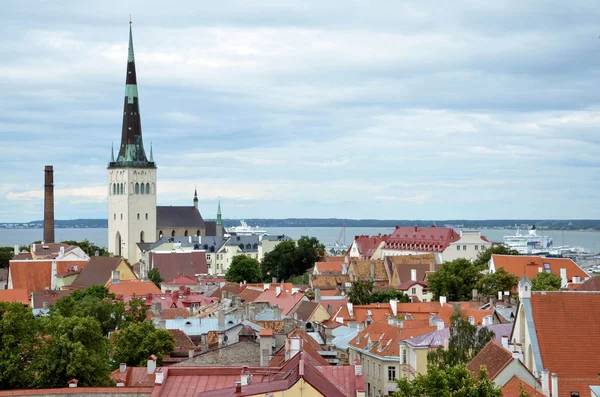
<point x="505" y="342"/>
<point x="122" y="367"/>
<point x="554" y="385"/>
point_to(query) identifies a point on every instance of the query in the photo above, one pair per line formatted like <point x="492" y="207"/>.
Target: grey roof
<point x="178" y="216"/>
<point x="206" y="243"/>
<point x="249" y="243"/>
<point x="268" y="315"/>
<point x="342" y="336"/>
<point x="439" y="338"/>
<point x="280" y="237"/>
<point x="200" y="326"/>
<point x="144" y="246"/>
<point x="317" y="337"/>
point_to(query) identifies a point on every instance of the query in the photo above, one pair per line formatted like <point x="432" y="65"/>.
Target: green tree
<point x="89" y="248"/>
<point x="454" y="280"/>
<point x="361" y="292"/>
<point x="6" y="254"/>
<point x="280" y="262"/>
<point x="243" y="268"/>
<point x="95" y="291"/>
<point x="309" y="251"/>
<point x="455" y="381"/>
<point x="136" y="342"/>
<point x="68" y="348"/>
<point x="500" y="280"/>
<point x="386" y="295"/>
<point x="466" y="341"/>
<point x="137" y="311"/>
<point x="546" y="282"/>
<point x="154" y="276"/>
<point x="484" y="257"/>
<point x="17" y="330"/>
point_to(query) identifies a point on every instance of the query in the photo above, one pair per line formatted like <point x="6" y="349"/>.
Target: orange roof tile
<point x="512" y="388"/>
<point x="36" y="275"/>
<point x="493" y="357"/>
<point x="362" y="269"/>
<point x="521" y="265"/>
<point x="427" y="239"/>
<point x="467" y="311"/>
<point x="382" y="339"/>
<point x="181" y="280"/>
<point x="329" y="281"/>
<point x="14" y="295"/>
<point x="564" y="323"/>
<point x="286" y="299"/>
<point x="133" y="287"/>
<point x="329" y="267"/>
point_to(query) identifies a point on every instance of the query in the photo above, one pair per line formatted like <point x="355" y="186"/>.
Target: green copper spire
<point x="219" y="213"/>
<point x="151" y="155"/>
<point x="130" y="57"/>
<point x="112" y="152"/>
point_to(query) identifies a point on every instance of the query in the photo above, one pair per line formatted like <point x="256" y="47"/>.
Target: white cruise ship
<point x="530" y="243"/>
<point x="245" y="230"/>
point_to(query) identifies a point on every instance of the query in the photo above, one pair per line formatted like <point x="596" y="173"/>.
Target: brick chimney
<point x="48" y="204"/>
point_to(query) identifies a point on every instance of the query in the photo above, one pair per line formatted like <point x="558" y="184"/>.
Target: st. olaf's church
<point x="133" y="216"/>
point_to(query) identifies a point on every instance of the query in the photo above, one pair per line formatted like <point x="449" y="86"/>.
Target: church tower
<point x="131" y="179"/>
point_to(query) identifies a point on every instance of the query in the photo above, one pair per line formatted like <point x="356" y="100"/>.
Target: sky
<point x="349" y="109"/>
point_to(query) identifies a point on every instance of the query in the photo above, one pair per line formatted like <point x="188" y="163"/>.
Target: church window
<point x="121" y="187"/>
<point x="147" y="188"/>
<point x="173" y="233"/>
<point x="142" y="190"/>
<point x="142" y="236"/>
<point x="248" y="246"/>
<point x="160" y="234"/>
<point x="198" y="234"/>
<point x="113" y="188"/>
<point x="146" y="216"/>
<point x="121" y="216"/>
<point x="137" y="188"/>
<point x="115" y="217"/>
<point x="185" y="233"/>
<point x="138" y="216"/>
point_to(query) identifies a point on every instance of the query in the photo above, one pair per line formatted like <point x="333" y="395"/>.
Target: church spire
<point x="112" y="152"/>
<point x="195" y="198"/>
<point x="219" y="222"/>
<point x="131" y="150"/>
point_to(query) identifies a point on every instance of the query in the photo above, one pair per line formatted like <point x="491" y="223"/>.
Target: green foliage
<point x="484" y="257"/>
<point x="136" y="312"/>
<point x="310" y="250"/>
<point x="136" y="342"/>
<point x="455" y="381"/>
<point x="88" y="247"/>
<point x="466" y="341"/>
<point x="5" y="257"/>
<point x="68" y="348"/>
<point x="243" y="268"/>
<point x="17" y="330"/>
<point x="154" y="276"/>
<point x="546" y="282"/>
<point x="95" y="291"/>
<point x="280" y="262"/>
<point x="361" y="292"/>
<point x="455" y="280"/>
<point x="386" y="295"/>
<point x="288" y="259"/>
<point x="500" y="280"/>
<point x="299" y="280"/>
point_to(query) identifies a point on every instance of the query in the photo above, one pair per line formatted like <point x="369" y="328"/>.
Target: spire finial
<point x="130" y="19"/>
<point x="151" y="156"/>
<point x="195" y="191"/>
<point x="112" y="152"/>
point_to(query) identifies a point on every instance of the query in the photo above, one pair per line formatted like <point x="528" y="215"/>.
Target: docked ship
<point x="245" y="230"/>
<point x="530" y="243"/>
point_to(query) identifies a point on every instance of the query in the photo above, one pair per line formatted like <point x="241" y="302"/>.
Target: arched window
<point x="173" y="233"/>
<point x="146" y="216"/>
<point x="248" y="246"/>
<point x="138" y="216"/>
<point x="142" y="190"/>
<point x="122" y="189"/>
<point x="113" y="188"/>
<point x="198" y="233"/>
<point x="185" y="233"/>
<point x="147" y="188"/>
<point x="142" y="236"/>
<point x="115" y="217"/>
<point x="137" y="188"/>
<point x="160" y="234"/>
<point x="121" y="216"/>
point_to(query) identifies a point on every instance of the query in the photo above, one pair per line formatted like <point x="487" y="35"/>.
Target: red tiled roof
<point x="180" y="280"/>
<point x="426" y="239"/>
<point x="343" y="376"/>
<point x="329" y="281"/>
<point x="360" y="313"/>
<point x="362" y="269"/>
<point x="446" y="311"/>
<point x="407" y="284"/>
<point x="564" y="323"/>
<point x="367" y="245"/>
<point x="14" y="295"/>
<point x="36" y="275"/>
<point x="521" y="265"/>
<point x="171" y="264"/>
<point x="593" y="284"/>
<point x="182" y="341"/>
<point x="493" y="357"/>
<point x="133" y="377"/>
<point x="384" y="338"/>
<point x="329" y="267"/>
<point x="333" y="258"/>
<point x="286" y="299"/>
<point x="512" y="388"/>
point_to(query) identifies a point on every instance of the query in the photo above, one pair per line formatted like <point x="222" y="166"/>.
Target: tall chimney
<point x="48" y="204"/>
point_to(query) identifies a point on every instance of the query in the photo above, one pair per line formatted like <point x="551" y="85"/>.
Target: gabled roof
<point x="178" y="217"/>
<point x="564" y="323"/>
<point x="405" y="286"/>
<point x="286" y="299"/>
<point x="51" y="250"/>
<point x="382" y="339"/>
<point x="133" y="288"/>
<point x="367" y="245"/>
<point x="305" y="310"/>
<point x="329" y="267"/>
<point x="182" y="341"/>
<point x="14" y="295"/>
<point x="494" y="357"/>
<point x="134" y="377"/>
<point x="97" y="272"/>
<point x="180" y="280"/>
<point x="36" y="275"/>
<point x="514" y="385"/>
<point x="173" y="264"/>
<point x="593" y="284"/>
<point x="329" y="281"/>
<point x="41" y="297"/>
<point x="362" y="269"/>
<point x="360" y="313"/>
<point x="523" y="265"/>
<point x="426" y="239"/>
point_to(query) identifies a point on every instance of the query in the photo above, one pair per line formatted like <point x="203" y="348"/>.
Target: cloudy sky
<point x="349" y="109"/>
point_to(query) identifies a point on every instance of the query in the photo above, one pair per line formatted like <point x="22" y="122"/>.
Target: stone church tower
<point x="131" y="179"/>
